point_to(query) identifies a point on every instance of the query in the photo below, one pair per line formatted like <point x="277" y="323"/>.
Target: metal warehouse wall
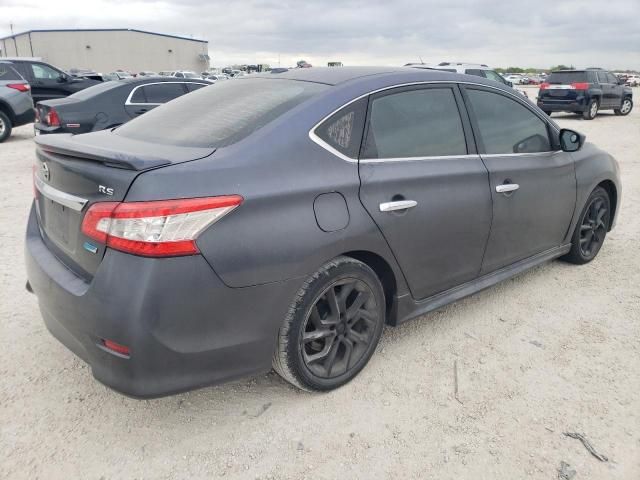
<point x="106" y="51"/>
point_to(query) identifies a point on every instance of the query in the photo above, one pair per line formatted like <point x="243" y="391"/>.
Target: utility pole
<point x="11" y="27"/>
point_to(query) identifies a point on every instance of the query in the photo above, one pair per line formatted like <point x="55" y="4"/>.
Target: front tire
<point x="591" y="111"/>
<point x="625" y="107"/>
<point x="591" y="228"/>
<point x="332" y="328"/>
<point x="5" y="127"/>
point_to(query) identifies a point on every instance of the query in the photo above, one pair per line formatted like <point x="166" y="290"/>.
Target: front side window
<point x="44" y="72"/>
<point x="612" y="78"/>
<point x="415" y="123"/>
<point x="506" y="126"/>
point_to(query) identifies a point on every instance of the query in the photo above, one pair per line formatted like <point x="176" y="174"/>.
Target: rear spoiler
<point x="118" y="151"/>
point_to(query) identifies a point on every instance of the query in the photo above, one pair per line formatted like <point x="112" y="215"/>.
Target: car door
<point x="617" y="90"/>
<point x="607" y="89"/>
<point x="533" y="184"/>
<point x="424" y="185"/>
<point x="47" y="82"/>
<point x="147" y="97"/>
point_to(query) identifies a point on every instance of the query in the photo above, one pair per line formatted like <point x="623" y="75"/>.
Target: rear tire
<point x="332" y="328"/>
<point x="625" y="108"/>
<point x="591" y="111"/>
<point x="5" y="127"/>
<point x="591" y="229"/>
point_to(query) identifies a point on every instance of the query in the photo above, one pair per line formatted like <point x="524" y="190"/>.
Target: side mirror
<point x="62" y="78"/>
<point x="571" y="141"/>
<point x="509" y="83"/>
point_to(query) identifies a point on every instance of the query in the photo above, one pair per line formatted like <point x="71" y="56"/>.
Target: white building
<point x="106" y="50"/>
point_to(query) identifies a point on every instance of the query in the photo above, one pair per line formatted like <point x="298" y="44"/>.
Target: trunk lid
<point x="74" y="172"/>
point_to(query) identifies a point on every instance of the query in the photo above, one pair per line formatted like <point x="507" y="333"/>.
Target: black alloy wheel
<point x="339" y="328"/>
<point x="591" y="229"/>
<point x="333" y="326"/>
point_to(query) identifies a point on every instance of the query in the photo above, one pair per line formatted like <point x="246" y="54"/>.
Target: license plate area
<point x="60" y="223"/>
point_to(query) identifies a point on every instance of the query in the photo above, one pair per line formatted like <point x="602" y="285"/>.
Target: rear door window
<point x="163" y="92"/>
<point x="192" y="87"/>
<point x="414" y="123"/>
<point x="506" y="126"/>
<point x="221" y="115"/>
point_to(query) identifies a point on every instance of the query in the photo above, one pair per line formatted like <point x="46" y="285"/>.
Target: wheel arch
<point x="385" y="274"/>
<point x="612" y="191"/>
<point x="7" y="110"/>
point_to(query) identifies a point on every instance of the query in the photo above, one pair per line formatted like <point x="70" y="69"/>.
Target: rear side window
<point x="474" y="71"/>
<point x="163" y="92"/>
<point x="612" y="79"/>
<point x="506" y="126"/>
<point x="221" y="115"/>
<point x="491" y="75"/>
<point x="343" y="130"/>
<point x="566" y="78"/>
<point x="415" y="123"/>
<point x="8" y="73"/>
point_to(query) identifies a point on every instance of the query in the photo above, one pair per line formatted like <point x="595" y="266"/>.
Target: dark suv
<point x="584" y="91"/>
<point x="47" y="81"/>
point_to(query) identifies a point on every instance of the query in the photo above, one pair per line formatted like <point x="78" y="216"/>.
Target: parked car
<point x="16" y="105"/>
<point x="84" y="73"/>
<point x="215" y="77"/>
<point x="109" y="104"/>
<point x="118" y="75"/>
<point x="47" y="81"/>
<point x="147" y="74"/>
<point x="181" y="74"/>
<point x="585" y="92"/>
<point x="632" y="80"/>
<point x="479" y="70"/>
<point x="287" y="217"/>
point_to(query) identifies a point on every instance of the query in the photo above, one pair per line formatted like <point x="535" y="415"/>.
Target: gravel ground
<point x="553" y="350"/>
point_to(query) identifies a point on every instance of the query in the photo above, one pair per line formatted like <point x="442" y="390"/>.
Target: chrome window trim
<point x="416" y="159"/>
<point x="181" y="82"/>
<point x="58" y="196"/>
<point x="317" y="140"/>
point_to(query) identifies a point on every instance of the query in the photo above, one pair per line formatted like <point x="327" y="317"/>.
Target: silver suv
<point x="16" y="104"/>
<point x="477" y="69"/>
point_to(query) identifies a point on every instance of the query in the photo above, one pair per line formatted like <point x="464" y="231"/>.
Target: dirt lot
<point x="554" y="350"/>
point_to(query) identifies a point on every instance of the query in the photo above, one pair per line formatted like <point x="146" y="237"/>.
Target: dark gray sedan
<point x="283" y="219"/>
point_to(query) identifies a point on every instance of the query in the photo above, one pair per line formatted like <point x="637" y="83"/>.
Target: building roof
<point x="103" y="30"/>
<point x="328" y="75"/>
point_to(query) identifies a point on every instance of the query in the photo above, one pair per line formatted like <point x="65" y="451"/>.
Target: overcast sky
<point x="537" y="33"/>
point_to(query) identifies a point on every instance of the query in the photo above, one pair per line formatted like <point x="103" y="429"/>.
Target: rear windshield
<point x="8" y="73"/>
<point x="95" y="90"/>
<point x="567" y="77"/>
<point x="221" y="114"/>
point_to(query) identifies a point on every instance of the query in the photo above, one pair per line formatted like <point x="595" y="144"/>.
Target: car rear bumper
<point x="184" y="327"/>
<point x="578" y="105"/>
<point x="25" y="117"/>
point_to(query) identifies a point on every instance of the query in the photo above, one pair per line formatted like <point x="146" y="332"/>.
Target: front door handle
<point x="507" y="187"/>
<point x="399" y="205"/>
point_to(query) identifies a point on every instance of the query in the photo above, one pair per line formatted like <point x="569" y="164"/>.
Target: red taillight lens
<point x="165" y="228"/>
<point x="580" y="86"/>
<point x="21" y="87"/>
<point x="544" y="86"/>
<point x="52" y="119"/>
<point x="116" y="347"/>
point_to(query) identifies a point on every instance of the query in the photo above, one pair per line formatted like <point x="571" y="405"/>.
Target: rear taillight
<point x="21" y="87"/>
<point x="52" y="119"/>
<point x="165" y="228"/>
<point x="580" y="86"/>
<point x="544" y="86"/>
<point x="116" y="347"/>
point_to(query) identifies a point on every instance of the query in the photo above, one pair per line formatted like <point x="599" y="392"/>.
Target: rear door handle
<point x="507" y="187"/>
<point x="399" y="205"/>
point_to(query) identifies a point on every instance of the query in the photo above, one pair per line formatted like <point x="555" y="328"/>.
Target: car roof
<point x="154" y="79"/>
<point x="328" y="75"/>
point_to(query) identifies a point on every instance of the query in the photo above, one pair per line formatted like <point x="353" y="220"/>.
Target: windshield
<point x="567" y="77"/>
<point x="191" y="75"/>
<point x="221" y="114"/>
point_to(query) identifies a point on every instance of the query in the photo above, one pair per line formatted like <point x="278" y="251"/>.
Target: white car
<point x="633" y="80"/>
<point x="514" y="78"/>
